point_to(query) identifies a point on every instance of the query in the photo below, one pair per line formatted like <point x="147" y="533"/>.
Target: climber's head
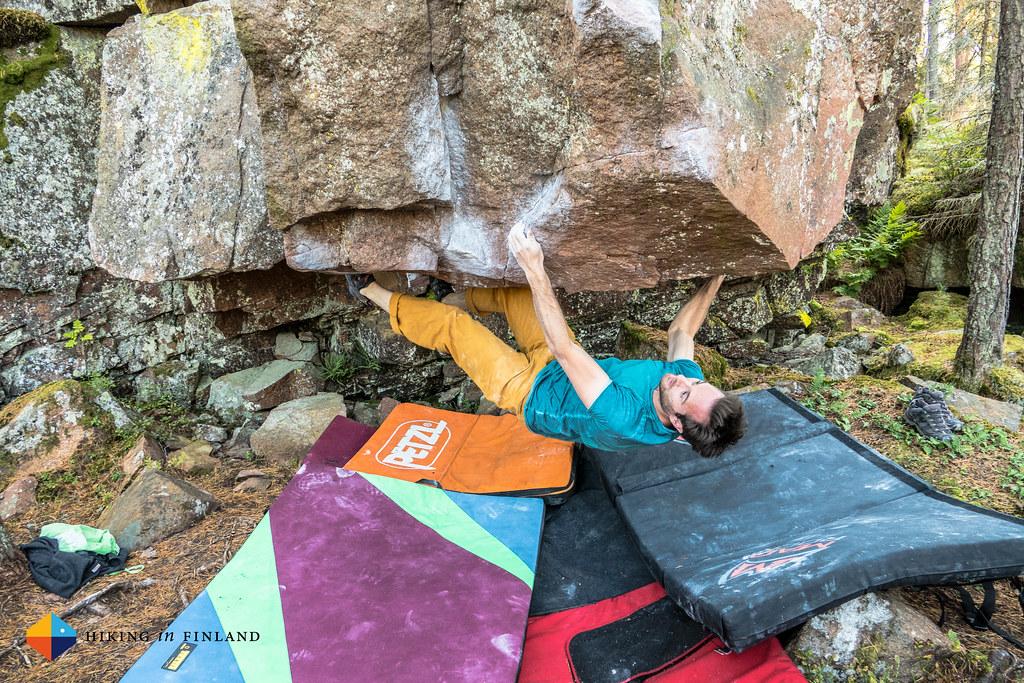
<point x="708" y="419"/>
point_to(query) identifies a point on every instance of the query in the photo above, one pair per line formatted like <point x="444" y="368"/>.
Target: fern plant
<point x="76" y="335"/>
<point x="880" y="244"/>
<point x="338" y="367"/>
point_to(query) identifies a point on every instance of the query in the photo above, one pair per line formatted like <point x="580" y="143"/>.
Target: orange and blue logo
<point x="51" y="636"/>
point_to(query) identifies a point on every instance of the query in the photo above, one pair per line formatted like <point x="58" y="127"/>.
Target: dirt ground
<point x="181" y="566"/>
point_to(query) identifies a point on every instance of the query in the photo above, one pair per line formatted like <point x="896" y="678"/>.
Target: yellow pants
<point x="503" y="374"/>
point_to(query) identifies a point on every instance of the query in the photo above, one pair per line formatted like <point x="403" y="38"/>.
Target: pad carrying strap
<point x="981" y="617"/>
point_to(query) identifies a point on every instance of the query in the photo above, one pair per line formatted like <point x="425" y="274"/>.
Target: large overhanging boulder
<point x="350" y="108"/>
<point x="643" y="141"/>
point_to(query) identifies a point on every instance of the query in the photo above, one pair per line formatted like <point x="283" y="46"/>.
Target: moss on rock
<point x="1006" y="383"/>
<point x="824" y="318"/>
<point x="888" y="385"/>
<point x="18" y="26"/>
<point x="42" y="395"/>
<point x="644" y="342"/>
<point x="934" y="353"/>
<point x="712" y="363"/>
<point x="936" y="311"/>
<point x="640" y="341"/>
<point x="22" y="75"/>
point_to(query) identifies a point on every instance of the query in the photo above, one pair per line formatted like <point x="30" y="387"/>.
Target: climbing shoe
<point x="928" y="419"/>
<point x="356" y="282"/>
<point x="924" y="395"/>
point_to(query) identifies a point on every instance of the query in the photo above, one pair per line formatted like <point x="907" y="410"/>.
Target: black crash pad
<point x="586" y="559"/>
<point x="796" y="518"/>
<point x="586" y="554"/>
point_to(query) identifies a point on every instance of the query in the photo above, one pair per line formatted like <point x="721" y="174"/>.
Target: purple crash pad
<point x="355" y="577"/>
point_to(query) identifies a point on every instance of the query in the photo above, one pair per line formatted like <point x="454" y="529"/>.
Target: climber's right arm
<point x="689" y="319"/>
<point x="587" y="377"/>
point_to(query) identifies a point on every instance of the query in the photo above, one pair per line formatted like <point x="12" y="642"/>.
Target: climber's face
<point x="681" y="395"/>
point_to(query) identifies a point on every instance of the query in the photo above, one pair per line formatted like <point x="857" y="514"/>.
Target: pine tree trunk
<point x="991" y="259"/>
<point x="960" y="55"/>
<point x="983" y="44"/>
<point x="931" y="50"/>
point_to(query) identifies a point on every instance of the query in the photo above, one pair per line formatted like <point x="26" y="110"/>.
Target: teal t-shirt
<point x="623" y="415"/>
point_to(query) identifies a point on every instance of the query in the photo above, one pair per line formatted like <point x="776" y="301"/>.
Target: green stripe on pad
<point x="434" y="509"/>
<point x="247" y="597"/>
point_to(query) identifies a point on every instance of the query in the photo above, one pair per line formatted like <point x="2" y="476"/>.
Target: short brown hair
<point x="724" y="427"/>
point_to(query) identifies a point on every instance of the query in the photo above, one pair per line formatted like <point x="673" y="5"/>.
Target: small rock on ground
<point x="835" y="363"/>
<point x="1006" y="667"/>
<point x="233" y="396"/>
<point x="252" y="485"/>
<point x="145" y="448"/>
<point x="18" y="498"/>
<point x="210" y="432"/>
<point x="195" y="458"/>
<point x="877" y="631"/>
<point x="248" y="474"/>
<point x="854" y="313"/>
<point x="364" y="412"/>
<point x="156" y="505"/>
<point x="386" y="405"/>
<point x="291" y="428"/>
<point x="7" y="549"/>
<point x="238" y="445"/>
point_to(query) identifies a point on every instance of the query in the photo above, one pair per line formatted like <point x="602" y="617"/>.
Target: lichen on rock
<point x="48" y="127"/>
<point x="48" y="429"/>
<point x="180" y="186"/>
<point x="24" y="74"/>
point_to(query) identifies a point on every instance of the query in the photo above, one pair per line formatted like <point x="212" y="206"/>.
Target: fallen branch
<point x="15" y="646"/>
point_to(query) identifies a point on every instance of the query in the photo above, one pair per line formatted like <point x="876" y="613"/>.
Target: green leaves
<point x="1014" y="479"/>
<point x="338" y="367"/>
<point x="76" y="335"/>
<point x="880" y="244"/>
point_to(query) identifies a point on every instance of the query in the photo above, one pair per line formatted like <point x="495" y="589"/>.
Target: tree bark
<point x="983" y="43"/>
<point x="931" y="51"/>
<point x="961" y="55"/>
<point x="991" y="258"/>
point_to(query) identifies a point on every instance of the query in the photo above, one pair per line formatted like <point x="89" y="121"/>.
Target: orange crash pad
<point x="466" y="453"/>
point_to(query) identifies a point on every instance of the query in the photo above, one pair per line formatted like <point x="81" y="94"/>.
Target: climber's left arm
<point x="689" y="319"/>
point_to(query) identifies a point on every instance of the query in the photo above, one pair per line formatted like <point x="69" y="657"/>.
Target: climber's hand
<point x="525" y="248"/>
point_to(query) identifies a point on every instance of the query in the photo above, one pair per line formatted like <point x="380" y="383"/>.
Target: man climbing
<point x="555" y="386"/>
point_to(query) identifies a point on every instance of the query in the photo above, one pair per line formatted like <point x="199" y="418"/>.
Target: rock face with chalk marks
<point x="643" y="141"/>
